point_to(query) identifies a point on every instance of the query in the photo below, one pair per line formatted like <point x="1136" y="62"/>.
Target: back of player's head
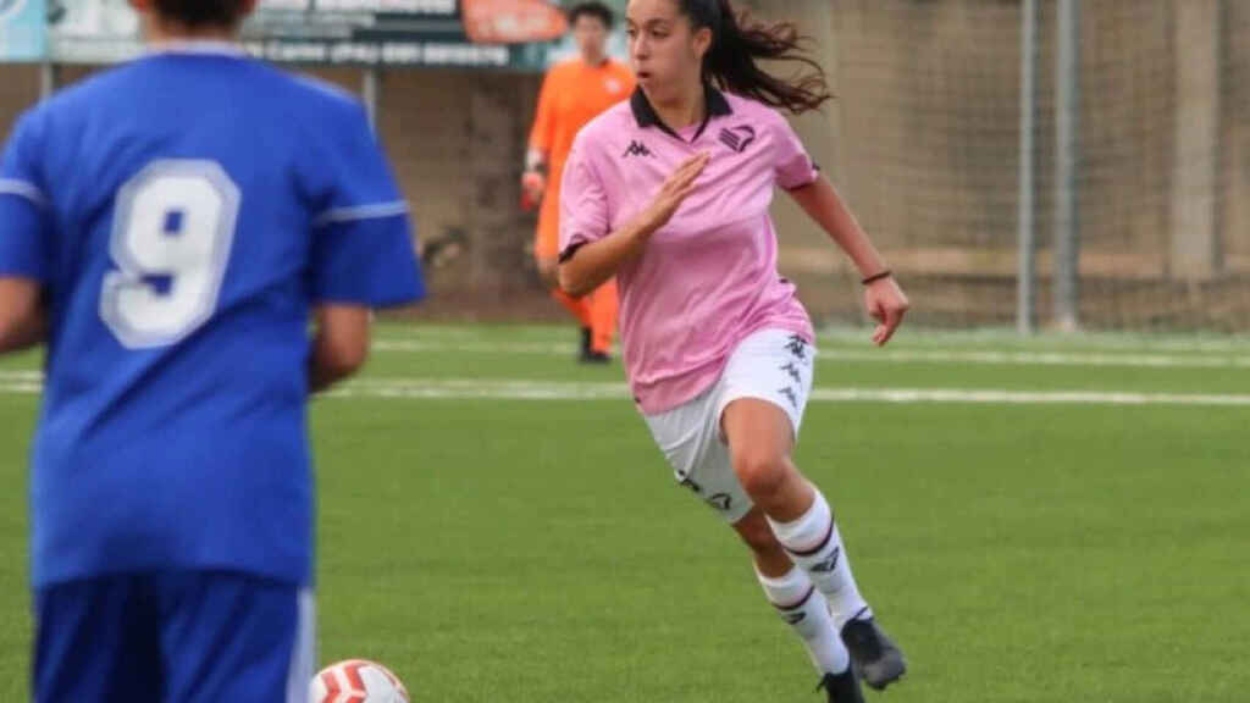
<point x="199" y="14"/>
<point x="739" y="41"/>
<point x="593" y="9"/>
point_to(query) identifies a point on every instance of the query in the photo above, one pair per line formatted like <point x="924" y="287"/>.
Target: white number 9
<point x="172" y="231"/>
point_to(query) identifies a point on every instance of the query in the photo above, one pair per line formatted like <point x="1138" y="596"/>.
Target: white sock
<point x="802" y="606"/>
<point x="815" y="545"/>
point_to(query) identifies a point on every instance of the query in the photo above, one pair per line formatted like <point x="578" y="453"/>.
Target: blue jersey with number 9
<point x="184" y="213"/>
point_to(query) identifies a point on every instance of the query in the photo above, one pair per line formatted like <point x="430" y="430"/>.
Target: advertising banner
<point x="500" y="34"/>
<point x="524" y="35"/>
<point x="92" y="31"/>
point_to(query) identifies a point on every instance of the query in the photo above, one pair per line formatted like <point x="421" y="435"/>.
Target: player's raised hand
<point x="675" y="190"/>
<point x="887" y="303"/>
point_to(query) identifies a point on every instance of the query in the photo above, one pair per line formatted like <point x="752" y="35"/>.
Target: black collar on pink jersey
<point x="645" y="115"/>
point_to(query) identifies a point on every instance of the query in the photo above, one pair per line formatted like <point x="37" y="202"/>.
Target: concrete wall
<point x="1235" y="130"/>
<point x="19" y="88"/>
<point x="456" y="140"/>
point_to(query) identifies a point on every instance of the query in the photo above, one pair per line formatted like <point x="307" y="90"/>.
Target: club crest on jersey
<point x="738" y="138"/>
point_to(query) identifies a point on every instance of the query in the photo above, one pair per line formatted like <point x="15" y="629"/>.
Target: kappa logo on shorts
<point x="828" y="565"/>
<point x="797" y="346"/>
<point x="791" y="395"/>
<point x="794" y="618"/>
<point x="636" y="148"/>
<point x="689" y="483"/>
<point x="721" y="501"/>
<point x="793" y="370"/>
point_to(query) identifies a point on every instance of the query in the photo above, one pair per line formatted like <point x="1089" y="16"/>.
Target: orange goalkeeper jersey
<point x="573" y="94"/>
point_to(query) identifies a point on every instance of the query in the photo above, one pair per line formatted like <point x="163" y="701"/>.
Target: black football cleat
<point x="873" y="654"/>
<point x="842" y="688"/>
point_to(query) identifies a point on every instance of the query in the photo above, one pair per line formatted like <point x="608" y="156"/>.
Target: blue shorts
<point x="178" y="636"/>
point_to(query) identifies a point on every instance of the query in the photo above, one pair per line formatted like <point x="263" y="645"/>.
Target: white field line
<point x="536" y="390"/>
<point x="928" y="339"/>
<point x="28" y="383"/>
<point x="973" y="358"/>
<point x="1081" y="342"/>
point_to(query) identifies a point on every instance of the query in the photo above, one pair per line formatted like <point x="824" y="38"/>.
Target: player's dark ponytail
<point x="740" y="41"/>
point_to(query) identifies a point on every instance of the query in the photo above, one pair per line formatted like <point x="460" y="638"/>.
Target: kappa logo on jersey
<point x="738" y="138"/>
<point x="721" y="501"/>
<point x="636" y="148"/>
<point x="828" y="565"/>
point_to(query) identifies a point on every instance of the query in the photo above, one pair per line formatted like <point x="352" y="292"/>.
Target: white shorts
<point x="770" y="365"/>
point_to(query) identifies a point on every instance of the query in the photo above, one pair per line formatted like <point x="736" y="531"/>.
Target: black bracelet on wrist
<point x="877" y="277"/>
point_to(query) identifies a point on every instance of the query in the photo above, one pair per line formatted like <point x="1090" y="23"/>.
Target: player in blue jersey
<point x="170" y="228"/>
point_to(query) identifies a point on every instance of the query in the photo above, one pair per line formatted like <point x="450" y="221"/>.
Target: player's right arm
<point x="362" y="249"/>
<point x="589" y="258"/>
<point x="24" y="238"/>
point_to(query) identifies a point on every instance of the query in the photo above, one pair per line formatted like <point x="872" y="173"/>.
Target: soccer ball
<point x="357" y="681"/>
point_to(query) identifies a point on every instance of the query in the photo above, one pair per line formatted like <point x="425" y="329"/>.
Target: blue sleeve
<point x="363" y="250"/>
<point x="25" y="230"/>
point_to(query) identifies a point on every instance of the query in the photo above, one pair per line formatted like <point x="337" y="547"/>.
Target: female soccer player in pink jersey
<point x="670" y="193"/>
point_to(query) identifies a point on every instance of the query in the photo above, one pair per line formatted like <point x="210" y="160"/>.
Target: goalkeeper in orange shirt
<point x="573" y="93"/>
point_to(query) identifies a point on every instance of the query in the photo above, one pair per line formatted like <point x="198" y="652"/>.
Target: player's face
<point x="665" y="49"/>
<point x="591" y="36"/>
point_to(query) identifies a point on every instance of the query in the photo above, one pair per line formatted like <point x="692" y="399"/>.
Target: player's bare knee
<point x="762" y="474"/>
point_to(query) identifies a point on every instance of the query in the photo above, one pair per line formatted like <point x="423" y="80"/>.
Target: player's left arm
<point x="820" y="200"/>
<point x="883" y="297"/>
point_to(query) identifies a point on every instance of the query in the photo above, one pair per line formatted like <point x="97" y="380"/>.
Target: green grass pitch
<point x="500" y="540"/>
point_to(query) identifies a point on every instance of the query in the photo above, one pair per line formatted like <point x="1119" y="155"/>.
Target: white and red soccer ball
<point x="357" y="681"/>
